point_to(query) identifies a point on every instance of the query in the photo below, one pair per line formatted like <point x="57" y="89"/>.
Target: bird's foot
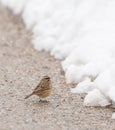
<point x="43" y="101"/>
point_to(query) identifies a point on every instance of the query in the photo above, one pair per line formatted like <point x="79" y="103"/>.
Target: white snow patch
<point x="95" y="98"/>
<point x="83" y="87"/>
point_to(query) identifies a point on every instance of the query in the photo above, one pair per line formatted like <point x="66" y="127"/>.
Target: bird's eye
<point x="47" y="79"/>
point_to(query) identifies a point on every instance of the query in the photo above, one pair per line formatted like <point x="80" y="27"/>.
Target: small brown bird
<point x="43" y="89"/>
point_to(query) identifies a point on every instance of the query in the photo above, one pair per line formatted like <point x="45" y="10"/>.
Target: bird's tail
<point x="28" y="96"/>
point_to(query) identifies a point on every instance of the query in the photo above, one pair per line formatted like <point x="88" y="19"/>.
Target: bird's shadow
<point x="39" y="103"/>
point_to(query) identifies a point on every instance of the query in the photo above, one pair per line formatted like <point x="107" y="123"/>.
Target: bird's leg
<point x="40" y="100"/>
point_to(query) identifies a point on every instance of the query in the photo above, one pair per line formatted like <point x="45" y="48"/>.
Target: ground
<point x="21" y="68"/>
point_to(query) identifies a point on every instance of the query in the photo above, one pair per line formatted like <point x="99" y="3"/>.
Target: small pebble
<point x="113" y="116"/>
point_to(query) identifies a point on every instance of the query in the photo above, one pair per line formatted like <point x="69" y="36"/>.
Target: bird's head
<point x="46" y="78"/>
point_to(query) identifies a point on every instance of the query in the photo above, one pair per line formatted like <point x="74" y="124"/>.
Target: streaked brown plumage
<point x="43" y="89"/>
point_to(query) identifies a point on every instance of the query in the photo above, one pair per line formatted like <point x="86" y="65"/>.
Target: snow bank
<point x="82" y="34"/>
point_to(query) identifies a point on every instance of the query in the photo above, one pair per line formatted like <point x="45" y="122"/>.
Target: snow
<point x="81" y="33"/>
<point x="83" y="87"/>
<point x="95" y="98"/>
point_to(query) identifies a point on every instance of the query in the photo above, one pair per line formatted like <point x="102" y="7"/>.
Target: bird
<point x="43" y="89"/>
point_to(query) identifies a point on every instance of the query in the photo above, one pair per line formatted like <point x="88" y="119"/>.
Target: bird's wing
<point x="38" y="88"/>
